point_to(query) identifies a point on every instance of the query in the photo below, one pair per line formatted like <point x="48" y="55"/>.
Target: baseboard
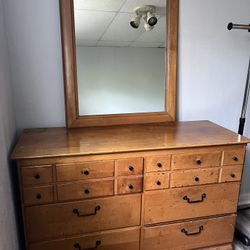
<point x="244" y="199"/>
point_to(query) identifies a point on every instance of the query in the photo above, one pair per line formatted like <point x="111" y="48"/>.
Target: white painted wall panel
<point x="8" y="229"/>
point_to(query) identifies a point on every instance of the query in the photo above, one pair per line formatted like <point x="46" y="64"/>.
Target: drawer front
<point x="190" y="235"/>
<point x="191" y="202"/>
<point x="85" y="190"/>
<point x="38" y="195"/>
<point x="85" y="170"/>
<point x="157" y="163"/>
<point x="154" y="181"/>
<point x="47" y="222"/>
<point x="36" y="175"/>
<point x="221" y="247"/>
<point x="234" y="157"/>
<point x="194" y="177"/>
<point x="196" y="160"/>
<point x="132" y="166"/>
<point x="231" y="173"/>
<point x="126" y="185"/>
<point x="123" y="239"/>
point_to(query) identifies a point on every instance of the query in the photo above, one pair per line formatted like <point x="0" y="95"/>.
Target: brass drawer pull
<point x="198" y="162"/>
<point x="159" y="165"/>
<point x="183" y="230"/>
<point x="235" y="158"/>
<point x="81" y="214"/>
<point x="203" y="196"/>
<point x="97" y="244"/>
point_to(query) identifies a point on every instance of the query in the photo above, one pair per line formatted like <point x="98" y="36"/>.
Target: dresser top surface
<point x="56" y="142"/>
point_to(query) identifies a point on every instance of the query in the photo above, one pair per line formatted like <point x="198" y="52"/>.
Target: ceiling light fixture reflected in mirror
<point x="147" y="13"/>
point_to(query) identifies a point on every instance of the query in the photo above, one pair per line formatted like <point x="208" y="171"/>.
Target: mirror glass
<point x="120" y="68"/>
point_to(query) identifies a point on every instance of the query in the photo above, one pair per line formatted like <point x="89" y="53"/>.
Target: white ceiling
<point x="106" y="23"/>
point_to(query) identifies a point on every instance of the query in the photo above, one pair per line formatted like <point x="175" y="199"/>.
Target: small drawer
<point x="154" y="181"/>
<point x="197" y="160"/>
<point x="126" y="185"/>
<point x="54" y="221"/>
<point x="194" y="177"/>
<point x="84" y="170"/>
<point x="190" y="235"/>
<point x="190" y="202"/>
<point x="157" y="163"/>
<point x="38" y="195"/>
<point x="122" y="239"/>
<point x="234" y="157"/>
<point x="231" y="173"/>
<point x="85" y="190"/>
<point x="132" y="166"/>
<point x="36" y="175"/>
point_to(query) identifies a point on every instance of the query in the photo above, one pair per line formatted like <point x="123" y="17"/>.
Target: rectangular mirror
<point x="120" y="69"/>
<point x="119" y="61"/>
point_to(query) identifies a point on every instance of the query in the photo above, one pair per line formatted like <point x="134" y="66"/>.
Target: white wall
<point x="212" y="62"/>
<point x="8" y="229"/>
<point x="116" y="80"/>
<point x="35" y="56"/>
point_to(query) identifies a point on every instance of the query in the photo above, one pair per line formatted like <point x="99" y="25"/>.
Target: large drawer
<point x="191" y="202"/>
<point x="52" y="221"/>
<point x="122" y="239"/>
<point x="190" y="235"/>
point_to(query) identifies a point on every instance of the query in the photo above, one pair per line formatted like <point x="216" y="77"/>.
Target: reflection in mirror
<point x="120" y="53"/>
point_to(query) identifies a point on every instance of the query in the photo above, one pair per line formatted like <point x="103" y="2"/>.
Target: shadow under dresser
<point x="148" y="187"/>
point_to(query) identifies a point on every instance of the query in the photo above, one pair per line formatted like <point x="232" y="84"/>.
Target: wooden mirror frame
<point x="73" y="119"/>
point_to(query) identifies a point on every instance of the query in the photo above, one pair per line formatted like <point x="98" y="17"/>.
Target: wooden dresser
<point x="150" y="187"/>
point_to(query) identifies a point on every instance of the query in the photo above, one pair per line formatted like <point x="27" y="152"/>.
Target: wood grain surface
<point x="52" y="142"/>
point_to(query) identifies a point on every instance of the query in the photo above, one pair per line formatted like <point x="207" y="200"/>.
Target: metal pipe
<point x="245" y="102"/>
<point x="231" y="26"/>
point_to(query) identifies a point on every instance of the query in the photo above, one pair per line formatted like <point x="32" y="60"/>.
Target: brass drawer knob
<point x="86" y="172"/>
<point x="232" y="175"/>
<point x="86" y="191"/>
<point x="159" y="165"/>
<point x="39" y="196"/>
<point x="198" y="162"/>
<point x="130" y="186"/>
<point x="131" y="168"/>
<point x="197" y="179"/>
<point x="37" y="176"/>
<point x="235" y="158"/>
<point x="158" y="183"/>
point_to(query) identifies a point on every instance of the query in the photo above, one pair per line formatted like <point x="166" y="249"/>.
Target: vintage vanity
<point x="121" y="176"/>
